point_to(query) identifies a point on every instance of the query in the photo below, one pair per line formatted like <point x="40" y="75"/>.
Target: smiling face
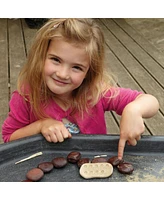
<point x="66" y="66"/>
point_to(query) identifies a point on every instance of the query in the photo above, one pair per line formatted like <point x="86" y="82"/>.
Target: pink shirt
<point x="21" y="114"/>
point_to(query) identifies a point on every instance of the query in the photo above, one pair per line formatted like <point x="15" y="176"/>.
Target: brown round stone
<point x="114" y="161"/>
<point x="125" y="168"/>
<point x="46" y="166"/>
<point x="34" y="174"/>
<point x="99" y="160"/>
<point x="59" y="162"/>
<point x="74" y="157"/>
<point x="82" y="161"/>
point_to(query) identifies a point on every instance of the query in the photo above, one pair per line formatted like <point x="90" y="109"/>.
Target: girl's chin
<point x="60" y="94"/>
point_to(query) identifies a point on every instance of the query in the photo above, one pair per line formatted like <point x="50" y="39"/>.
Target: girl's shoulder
<point x="117" y="98"/>
<point x="111" y="92"/>
<point x="119" y="92"/>
<point x="17" y="96"/>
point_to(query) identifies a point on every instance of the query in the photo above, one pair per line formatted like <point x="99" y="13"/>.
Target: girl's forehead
<point x="66" y="48"/>
<point x="60" y="43"/>
<point x="70" y="41"/>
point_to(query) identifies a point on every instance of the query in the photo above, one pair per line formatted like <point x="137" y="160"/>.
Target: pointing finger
<point x="121" y="147"/>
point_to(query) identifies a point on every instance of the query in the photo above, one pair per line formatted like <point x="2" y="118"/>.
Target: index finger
<point x="121" y="146"/>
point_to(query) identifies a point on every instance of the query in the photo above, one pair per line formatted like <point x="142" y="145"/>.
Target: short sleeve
<point x="116" y="101"/>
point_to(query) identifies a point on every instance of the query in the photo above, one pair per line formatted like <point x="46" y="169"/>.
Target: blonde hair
<point x="97" y="81"/>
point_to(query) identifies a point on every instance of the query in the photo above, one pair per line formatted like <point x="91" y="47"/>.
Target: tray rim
<point x="110" y="138"/>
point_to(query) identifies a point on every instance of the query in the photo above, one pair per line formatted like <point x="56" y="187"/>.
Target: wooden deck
<point x="136" y="63"/>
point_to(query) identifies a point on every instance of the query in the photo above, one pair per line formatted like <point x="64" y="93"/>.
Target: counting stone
<point x="82" y="161"/>
<point x="59" y="162"/>
<point x="46" y="166"/>
<point x="34" y="174"/>
<point x="125" y="168"/>
<point x="99" y="160"/>
<point x="115" y="161"/>
<point x="74" y="157"/>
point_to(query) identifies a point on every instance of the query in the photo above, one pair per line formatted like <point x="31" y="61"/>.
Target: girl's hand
<point x="132" y="125"/>
<point x="131" y="128"/>
<point x="54" y="131"/>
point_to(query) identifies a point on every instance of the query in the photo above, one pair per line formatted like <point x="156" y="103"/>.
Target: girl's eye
<point x="78" y="68"/>
<point x="55" y="59"/>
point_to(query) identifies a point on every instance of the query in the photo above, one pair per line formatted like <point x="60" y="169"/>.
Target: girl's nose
<point x="63" y="73"/>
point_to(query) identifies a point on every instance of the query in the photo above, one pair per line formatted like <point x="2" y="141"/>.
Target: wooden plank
<point x="3" y="73"/>
<point x="116" y="67"/>
<point x="111" y="123"/>
<point x="17" y="53"/>
<point x="147" y="62"/>
<point x="124" y="79"/>
<point x="12" y="40"/>
<point x="29" y="35"/>
<point x="145" y="44"/>
<point x="134" y="67"/>
<point x="136" y="71"/>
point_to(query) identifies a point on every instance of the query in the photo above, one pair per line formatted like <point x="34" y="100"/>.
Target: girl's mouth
<point x="59" y="82"/>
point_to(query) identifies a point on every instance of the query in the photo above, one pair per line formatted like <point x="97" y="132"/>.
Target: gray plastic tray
<point x="147" y="158"/>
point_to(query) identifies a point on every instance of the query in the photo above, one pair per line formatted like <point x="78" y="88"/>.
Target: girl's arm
<point x="31" y="129"/>
<point x="17" y="123"/>
<point x="132" y="124"/>
<point x="52" y="130"/>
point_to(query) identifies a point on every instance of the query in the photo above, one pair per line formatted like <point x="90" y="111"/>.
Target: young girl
<point x="64" y="88"/>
